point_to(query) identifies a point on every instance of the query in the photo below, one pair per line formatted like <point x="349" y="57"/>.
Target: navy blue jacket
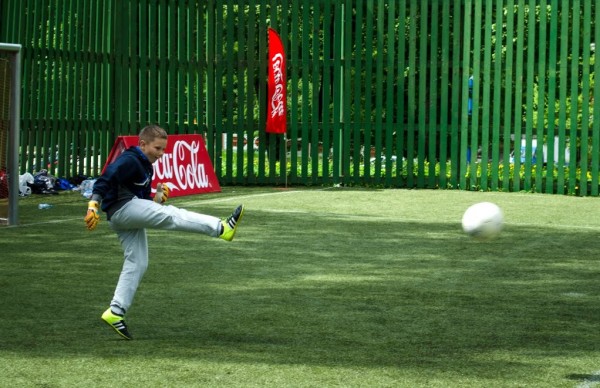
<point x="127" y="177"/>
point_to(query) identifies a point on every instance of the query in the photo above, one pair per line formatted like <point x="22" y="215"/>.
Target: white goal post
<point x="12" y="52"/>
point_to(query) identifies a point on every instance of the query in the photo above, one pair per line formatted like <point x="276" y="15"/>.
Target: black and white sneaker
<point x="116" y="322"/>
<point x="231" y="223"/>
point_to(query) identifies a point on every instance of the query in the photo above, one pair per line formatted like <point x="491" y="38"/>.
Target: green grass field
<point x="321" y="288"/>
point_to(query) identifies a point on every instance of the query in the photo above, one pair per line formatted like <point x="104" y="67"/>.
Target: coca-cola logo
<point x="277" y="106"/>
<point x="181" y="168"/>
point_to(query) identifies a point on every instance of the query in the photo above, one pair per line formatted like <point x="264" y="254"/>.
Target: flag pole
<point x="285" y="158"/>
<point x="276" y="96"/>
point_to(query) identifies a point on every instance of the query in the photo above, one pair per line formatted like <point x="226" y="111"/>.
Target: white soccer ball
<point x="483" y="220"/>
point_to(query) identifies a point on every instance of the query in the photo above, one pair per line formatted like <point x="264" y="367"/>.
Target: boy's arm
<point x="100" y="189"/>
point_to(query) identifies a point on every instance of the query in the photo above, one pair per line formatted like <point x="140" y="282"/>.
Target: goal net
<point x="10" y="86"/>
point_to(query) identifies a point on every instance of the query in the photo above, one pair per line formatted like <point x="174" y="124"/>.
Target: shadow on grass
<point x="584" y="377"/>
<point x="308" y="289"/>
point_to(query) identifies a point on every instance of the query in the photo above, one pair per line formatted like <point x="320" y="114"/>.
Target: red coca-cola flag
<point x="277" y="103"/>
<point x="185" y="166"/>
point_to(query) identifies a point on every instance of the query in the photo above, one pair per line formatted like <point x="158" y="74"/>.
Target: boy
<point x="124" y="192"/>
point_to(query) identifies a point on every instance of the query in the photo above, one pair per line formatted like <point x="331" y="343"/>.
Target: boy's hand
<point x="166" y="192"/>
<point x="92" y="217"/>
<point x="162" y="193"/>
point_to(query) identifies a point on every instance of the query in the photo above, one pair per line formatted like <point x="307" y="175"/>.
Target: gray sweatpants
<point x="131" y="221"/>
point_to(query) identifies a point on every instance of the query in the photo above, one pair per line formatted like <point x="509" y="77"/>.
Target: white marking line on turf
<point x="46" y="222"/>
<point x="591" y="381"/>
<point x="239" y="197"/>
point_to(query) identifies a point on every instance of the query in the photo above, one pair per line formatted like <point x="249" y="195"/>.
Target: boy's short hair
<point x="151" y="132"/>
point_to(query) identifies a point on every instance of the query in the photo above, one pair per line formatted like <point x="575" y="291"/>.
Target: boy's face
<point x="153" y="150"/>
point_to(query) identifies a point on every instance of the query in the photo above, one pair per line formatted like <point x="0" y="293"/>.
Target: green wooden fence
<point x="476" y="95"/>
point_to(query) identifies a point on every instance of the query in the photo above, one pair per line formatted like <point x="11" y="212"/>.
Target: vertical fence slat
<point x="89" y="59"/>
<point x="444" y="95"/>
<point x="475" y="78"/>
<point x="357" y="83"/>
<point x="530" y="76"/>
<point x="518" y="93"/>
<point x="53" y="88"/>
<point x="486" y="105"/>
<point x="551" y="107"/>
<point x="294" y="81"/>
<point x="563" y="87"/>
<point x="464" y="114"/>
<point x="378" y="13"/>
<point x="243" y="134"/>
<point x="95" y="91"/>
<point x="217" y="126"/>
<point x="366" y="124"/>
<point x="456" y="114"/>
<point x="70" y="90"/>
<point x="422" y="93"/>
<point x="190" y="23"/>
<point x="596" y="108"/>
<point x="85" y="129"/>
<point x="326" y="90"/>
<point x="585" y="101"/>
<point x="213" y="142"/>
<point x="151" y="58"/>
<point x="72" y="84"/>
<point x="163" y="56"/>
<point x="182" y="93"/>
<point x="133" y="72"/>
<point x="400" y="92"/>
<point x="82" y="122"/>
<point x="107" y="48"/>
<point x="38" y="78"/>
<point x="45" y="99"/>
<point x="173" y="41"/>
<point x="200" y="47"/>
<point x="338" y="92"/>
<point x="227" y="54"/>
<point x="347" y="92"/>
<point x="315" y="64"/>
<point x="118" y="82"/>
<point x="64" y="162"/>
<point x="574" y="88"/>
<point x="508" y="111"/>
<point x="246" y="122"/>
<point x="541" y="128"/>
<point x="497" y="156"/>
<point x="262" y="86"/>
<point x="305" y="77"/>
<point x="391" y="72"/>
<point x="143" y="44"/>
<point x="283" y="15"/>
<point x="14" y="31"/>
<point x="432" y="104"/>
<point x="412" y="94"/>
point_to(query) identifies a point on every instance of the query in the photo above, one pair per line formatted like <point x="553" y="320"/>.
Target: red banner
<point x="185" y="166"/>
<point x="277" y="103"/>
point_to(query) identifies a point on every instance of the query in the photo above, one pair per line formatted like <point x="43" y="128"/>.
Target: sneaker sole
<point x="115" y="329"/>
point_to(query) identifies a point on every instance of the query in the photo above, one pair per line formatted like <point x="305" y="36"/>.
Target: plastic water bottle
<point x="43" y="206"/>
